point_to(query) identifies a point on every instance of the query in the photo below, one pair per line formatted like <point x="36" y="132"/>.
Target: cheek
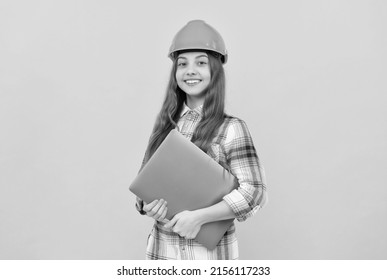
<point x="179" y="74"/>
<point x="208" y="74"/>
<point x="178" y="79"/>
<point x="208" y="77"/>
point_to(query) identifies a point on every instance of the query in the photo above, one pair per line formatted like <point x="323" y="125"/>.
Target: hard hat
<point x="198" y="35"/>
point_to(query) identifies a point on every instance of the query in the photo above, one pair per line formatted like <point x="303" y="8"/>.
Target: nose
<point x="191" y="70"/>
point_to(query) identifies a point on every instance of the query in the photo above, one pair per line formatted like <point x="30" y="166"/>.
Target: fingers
<point x="164" y="213"/>
<point x="161" y="212"/>
<point x="153" y="207"/>
<point x="184" y="224"/>
<point x="157" y="209"/>
<point x="149" y="206"/>
<point x="172" y="222"/>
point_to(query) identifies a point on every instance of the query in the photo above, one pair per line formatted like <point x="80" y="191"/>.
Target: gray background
<point x="81" y="83"/>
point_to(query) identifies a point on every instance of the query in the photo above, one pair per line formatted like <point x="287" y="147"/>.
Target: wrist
<point x="201" y="216"/>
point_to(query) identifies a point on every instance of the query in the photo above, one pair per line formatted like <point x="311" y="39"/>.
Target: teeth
<point x="192" y="82"/>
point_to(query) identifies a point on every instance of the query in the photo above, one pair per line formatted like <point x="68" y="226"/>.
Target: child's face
<point x="193" y="74"/>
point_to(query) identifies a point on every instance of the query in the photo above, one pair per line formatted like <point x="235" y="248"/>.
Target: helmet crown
<point x="198" y="35"/>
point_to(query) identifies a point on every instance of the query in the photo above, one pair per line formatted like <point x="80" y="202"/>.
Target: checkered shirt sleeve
<point x="245" y="165"/>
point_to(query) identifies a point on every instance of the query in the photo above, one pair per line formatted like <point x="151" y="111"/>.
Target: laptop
<point x="188" y="179"/>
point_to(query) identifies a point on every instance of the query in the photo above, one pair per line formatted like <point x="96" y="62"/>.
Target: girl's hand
<point x="186" y="224"/>
<point x="157" y="209"/>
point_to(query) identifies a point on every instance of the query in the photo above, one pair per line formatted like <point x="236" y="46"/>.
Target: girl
<point x="194" y="103"/>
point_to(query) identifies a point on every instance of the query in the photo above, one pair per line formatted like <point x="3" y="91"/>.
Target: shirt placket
<point x="189" y="122"/>
<point x="183" y="248"/>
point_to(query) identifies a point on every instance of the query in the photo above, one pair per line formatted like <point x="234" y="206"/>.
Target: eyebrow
<point x="201" y="55"/>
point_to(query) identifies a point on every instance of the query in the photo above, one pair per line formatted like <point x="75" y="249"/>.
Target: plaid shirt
<point x="232" y="148"/>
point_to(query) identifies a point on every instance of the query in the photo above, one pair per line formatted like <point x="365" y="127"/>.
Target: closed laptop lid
<point x="188" y="179"/>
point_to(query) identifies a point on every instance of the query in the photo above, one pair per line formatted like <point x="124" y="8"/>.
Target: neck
<point x="193" y="102"/>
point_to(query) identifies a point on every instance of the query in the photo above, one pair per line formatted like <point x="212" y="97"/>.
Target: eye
<point x="181" y="62"/>
<point x="202" y="62"/>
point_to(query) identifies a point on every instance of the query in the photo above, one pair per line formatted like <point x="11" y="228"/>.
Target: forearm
<point x="216" y="212"/>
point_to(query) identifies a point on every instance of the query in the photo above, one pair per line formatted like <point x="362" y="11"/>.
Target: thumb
<point x="171" y="223"/>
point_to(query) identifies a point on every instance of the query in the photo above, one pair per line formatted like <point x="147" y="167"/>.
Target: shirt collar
<point x="186" y="109"/>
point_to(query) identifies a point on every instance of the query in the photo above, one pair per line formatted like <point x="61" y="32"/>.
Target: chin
<point x="195" y="94"/>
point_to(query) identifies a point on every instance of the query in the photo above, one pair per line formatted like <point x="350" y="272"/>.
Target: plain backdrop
<point x="81" y="83"/>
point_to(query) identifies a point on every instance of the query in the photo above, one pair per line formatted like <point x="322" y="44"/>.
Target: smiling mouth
<point x="192" y="82"/>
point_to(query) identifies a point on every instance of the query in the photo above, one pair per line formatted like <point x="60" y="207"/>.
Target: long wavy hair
<point x="212" y="112"/>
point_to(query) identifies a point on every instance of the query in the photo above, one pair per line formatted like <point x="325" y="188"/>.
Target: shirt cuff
<point x="139" y="206"/>
<point x="239" y="206"/>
